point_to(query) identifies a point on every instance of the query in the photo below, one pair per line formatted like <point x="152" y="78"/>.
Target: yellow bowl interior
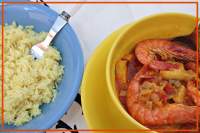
<point x="160" y="26"/>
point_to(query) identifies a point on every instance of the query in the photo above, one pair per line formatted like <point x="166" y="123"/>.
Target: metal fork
<point x="37" y="51"/>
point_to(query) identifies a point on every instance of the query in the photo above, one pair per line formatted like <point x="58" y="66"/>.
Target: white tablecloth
<point x="93" y="23"/>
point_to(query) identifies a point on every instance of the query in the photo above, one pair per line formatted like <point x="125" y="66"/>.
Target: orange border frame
<point x="94" y="130"/>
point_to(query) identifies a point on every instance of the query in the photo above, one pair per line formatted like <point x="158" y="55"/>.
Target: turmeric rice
<point x="28" y="83"/>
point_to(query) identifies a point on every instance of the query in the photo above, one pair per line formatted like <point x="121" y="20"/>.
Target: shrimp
<point x="191" y="66"/>
<point x="161" y="65"/>
<point x="167" y="114"/>
<point x="155" y="49"/>
<point x="193" y="92"/>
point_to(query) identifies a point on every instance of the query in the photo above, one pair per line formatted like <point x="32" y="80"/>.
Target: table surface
<point x="92" y="24"/>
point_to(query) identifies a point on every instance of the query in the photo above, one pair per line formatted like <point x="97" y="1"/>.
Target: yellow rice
<point x="28" y="83"/>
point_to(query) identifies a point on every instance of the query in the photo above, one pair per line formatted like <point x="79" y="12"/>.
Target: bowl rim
<point x="110" y="57"/>
<point x="78" y="74"/>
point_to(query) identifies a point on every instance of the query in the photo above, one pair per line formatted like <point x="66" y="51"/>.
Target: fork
<point x="38" y="50"/>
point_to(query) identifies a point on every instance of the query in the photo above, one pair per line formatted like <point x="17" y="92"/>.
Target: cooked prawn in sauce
<point x="161" y="89"/>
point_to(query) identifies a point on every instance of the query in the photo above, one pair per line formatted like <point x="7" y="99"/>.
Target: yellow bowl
<point x="167" y="25"/>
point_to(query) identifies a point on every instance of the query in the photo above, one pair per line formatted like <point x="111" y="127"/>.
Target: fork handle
<point x="60" y="22"/>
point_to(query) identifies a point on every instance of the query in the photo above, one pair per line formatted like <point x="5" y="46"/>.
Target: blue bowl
<point x="42" y="18"/>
